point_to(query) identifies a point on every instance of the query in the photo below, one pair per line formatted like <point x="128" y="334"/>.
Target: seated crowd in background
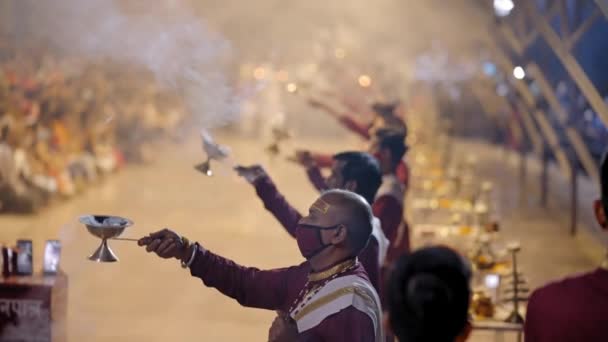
<point x="66" y="122"/>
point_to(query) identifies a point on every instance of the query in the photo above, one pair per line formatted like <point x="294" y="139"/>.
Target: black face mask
<point x="309" y="239"/>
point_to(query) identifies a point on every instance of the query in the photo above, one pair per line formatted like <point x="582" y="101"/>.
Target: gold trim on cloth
<point x="604" y="264"/>
<point x="334" y="270"/>
<point x="333" y="296"/>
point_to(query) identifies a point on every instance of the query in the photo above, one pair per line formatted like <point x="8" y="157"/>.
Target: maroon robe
<point x="278" y="289"/>
<point x="571" y="310"/>
<point x="362" y="129"/>
<point x="289" y="217"/>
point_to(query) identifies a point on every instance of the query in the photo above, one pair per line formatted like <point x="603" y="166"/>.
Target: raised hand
<point x="251" y="173"/>
<point x="304" y="158"/>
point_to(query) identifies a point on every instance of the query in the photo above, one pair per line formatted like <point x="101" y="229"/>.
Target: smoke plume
<point x="163" y="37"/>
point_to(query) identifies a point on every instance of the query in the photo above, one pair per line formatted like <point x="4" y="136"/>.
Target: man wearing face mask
<point x="354" y="171"/>
<point x="576" y="308"/>
<point x="326" y="298"/>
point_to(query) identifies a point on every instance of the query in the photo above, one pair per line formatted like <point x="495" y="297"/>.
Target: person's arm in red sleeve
<point x="348" y="325"/>
<point x="249" y="286"/>
<point x="401" y="245"/>
<point x="323" y="160"/>
<point x="316" y="178"/>
<point x="276" y="203"/>
<point x="348" y="122"/>
<point x="403" y="174"/>
<point x="362" y="129"/>
<point x="390" y="213"/>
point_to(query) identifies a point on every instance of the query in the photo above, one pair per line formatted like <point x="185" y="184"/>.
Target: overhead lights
<point x="291" y="87"/>
<point x="519" y="73"/>
<point x="365" y="81"/>
<point x="503" y="8"/>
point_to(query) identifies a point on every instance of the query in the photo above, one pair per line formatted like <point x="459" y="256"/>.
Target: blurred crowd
<point x="67" y="122"/>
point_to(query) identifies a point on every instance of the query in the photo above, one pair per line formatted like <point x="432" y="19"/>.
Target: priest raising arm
<point x="326" y="298"/>
<point x="354" y="171"/>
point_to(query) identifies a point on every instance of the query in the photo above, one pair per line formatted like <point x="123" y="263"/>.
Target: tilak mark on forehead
<point x="321" y="206"/>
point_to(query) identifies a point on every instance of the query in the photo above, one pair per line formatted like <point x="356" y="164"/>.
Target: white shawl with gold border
<point x="338" y="295"/>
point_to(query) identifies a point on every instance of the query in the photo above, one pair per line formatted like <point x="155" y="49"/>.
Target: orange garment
<point x="61" y="136"/>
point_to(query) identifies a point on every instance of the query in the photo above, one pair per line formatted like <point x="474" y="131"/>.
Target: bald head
<point x="353" y="211"/>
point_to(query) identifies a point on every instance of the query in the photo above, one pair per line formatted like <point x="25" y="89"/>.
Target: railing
<point x="518" y="33"/>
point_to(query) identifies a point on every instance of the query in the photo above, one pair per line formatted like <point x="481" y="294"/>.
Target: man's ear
<point x="351" y="185"/>
<point x="600" y="214"/>
<point x="340" y="235"/>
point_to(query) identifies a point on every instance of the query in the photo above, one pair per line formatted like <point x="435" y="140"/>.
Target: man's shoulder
<point x="303" y="267"/>
<point x="566" y="289"/>
<point x="568" y="307"/>
<point x="341" y="299"/>
<point x="388" y="199"/>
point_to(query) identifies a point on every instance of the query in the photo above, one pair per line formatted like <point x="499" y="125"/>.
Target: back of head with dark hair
<point x="393" y="141"/>
<point x="429" y="296"/>
<point x="604" y="181"/>
<point x="385" y="108"/>
<point x="357" y="216"/>
<point x="364" y="169"/>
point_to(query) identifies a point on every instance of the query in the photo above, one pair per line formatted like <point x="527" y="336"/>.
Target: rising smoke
<point x="163" y="37"/>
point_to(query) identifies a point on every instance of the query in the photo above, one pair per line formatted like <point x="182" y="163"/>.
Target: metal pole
<point x="522" y="172"/>
<point x="573" y="200"/>
<point x="544" y="178"/>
